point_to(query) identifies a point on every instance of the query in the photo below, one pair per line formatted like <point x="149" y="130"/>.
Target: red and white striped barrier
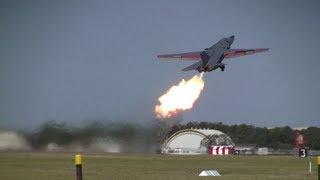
<point x="221" y="150"/>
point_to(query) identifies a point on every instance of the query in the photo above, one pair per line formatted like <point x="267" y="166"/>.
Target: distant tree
<point x="191" y="125"/>
<point x="281" y="136"/>
<point x="51" y="132"/>
<point x="261" y="136"/>
<point x="312" y="136"/>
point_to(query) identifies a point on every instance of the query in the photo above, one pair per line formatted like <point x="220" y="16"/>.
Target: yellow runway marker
<point x="78" y="159"/>
<point x="78" y="163"/>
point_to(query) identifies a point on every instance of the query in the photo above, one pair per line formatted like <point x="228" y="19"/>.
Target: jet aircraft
<point x="211" y="58"/>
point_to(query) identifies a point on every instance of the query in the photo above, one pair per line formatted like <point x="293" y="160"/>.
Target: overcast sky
<point x="80" y="60"/>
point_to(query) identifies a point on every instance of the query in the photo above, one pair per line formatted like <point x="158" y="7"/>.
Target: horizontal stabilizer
<point x="182" y="56"/>
<point x="193" y="66"/>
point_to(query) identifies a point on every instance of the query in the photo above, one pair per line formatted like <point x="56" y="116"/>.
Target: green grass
<point x="42" y="166"/>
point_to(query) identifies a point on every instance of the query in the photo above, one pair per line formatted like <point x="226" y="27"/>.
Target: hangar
<point x="194" y="141"/>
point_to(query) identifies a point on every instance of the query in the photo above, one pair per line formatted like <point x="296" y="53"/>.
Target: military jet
<point x="211" y="58"/>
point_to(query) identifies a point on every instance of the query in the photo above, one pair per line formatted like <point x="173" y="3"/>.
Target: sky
<point x="75" y="61"/>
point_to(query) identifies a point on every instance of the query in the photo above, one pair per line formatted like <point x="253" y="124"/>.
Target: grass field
<point x="42" y="166"/>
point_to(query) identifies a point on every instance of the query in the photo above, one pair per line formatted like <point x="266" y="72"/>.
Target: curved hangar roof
<point x="189" y="138"/>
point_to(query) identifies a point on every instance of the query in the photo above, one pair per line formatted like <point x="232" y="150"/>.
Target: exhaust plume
<point x="179" y="97"/>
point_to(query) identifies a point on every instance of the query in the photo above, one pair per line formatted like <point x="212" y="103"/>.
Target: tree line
<point x="141" y="137"/>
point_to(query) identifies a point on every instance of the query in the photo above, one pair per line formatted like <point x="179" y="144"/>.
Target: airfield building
<point x="195" y="141"/>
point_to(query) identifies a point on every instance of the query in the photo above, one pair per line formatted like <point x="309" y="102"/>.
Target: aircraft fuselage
<point x="212" y="57"/>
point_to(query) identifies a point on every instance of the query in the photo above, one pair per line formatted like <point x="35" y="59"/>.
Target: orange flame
<point x="179" y="97"/>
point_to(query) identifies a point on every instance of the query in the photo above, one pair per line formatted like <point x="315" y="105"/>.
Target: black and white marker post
<point x="78" y="163"/>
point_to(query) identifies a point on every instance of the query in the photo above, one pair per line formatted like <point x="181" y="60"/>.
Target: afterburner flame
<point x="179" y="97"/>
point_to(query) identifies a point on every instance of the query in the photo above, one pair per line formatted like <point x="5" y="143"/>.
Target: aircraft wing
<point x="182" y="56"/>
<point x="243" y="52"/>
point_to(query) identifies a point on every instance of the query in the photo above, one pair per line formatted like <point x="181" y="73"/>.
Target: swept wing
<point x="231" y="53"/>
